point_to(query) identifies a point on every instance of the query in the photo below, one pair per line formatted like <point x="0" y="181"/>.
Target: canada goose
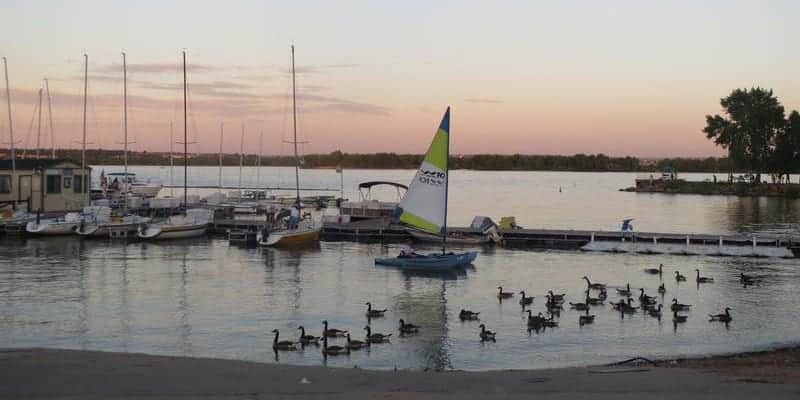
<point x="503" y="295"/>
<point x="645" y="299"/>
<point x="603" y="294"/>
<point x="678" y="318"/>
<point x="625" y="292"/>
<point x="355" y="344"/>
<point x="679" y="307"/>
<point x="331" y="332"/>
<point x="655" y="271"/>
<point x="553" y="305"/>
<point x="679" y="277"/>
<point x="593" y="300"/>
<point x="307" y="339"/>
<point x="373" y="313"/>
<point x="585" y="319"/>
<point x="550" y="322"/>
<point x="662" y="289"/>
<point x="724" y="317"/>
<point x="376" y="337"/>
<point x="556" y="297"/>
<point x="618" y="305"/>
<point x="655" y="312"/>
<point x="703" y="279"/>
<point x="627" y="308"/>
<point x="467" y="315"/>
<point x="535" y="321"/>
<point x="486" y="334"/>
<point x="524" y="301"/>
<point x="332" y="350"/>
<point x="408" y="328"/>
<point x="591" y="285"/>
<point x="579" y="306"/>
<point x="283" y="344"/>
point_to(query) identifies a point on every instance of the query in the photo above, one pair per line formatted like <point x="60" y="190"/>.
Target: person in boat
<point x="294" y="216"/>
<point x="407" y="252"/>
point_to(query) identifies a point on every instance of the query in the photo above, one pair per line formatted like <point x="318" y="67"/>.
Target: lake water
<point x="204" y="298"/>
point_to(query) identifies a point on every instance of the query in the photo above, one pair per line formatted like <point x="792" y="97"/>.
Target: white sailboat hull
<point x="291" y="237"/>
<point x="51" y="228"/>
<point x="166" y="232"/>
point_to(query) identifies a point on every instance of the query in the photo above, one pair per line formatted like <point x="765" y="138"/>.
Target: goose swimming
<point x="679" y="277"/>
<point x="724" y="317"/>
<point x="525" y="301"/>
<point x="467" y="315"/>
<point x="307" y="339"/>
<point x="503" y="295"/>
<point x="376" y="337"/>
<point x="679" y="307"/>
<point x="283" y="344"/>
<point x="331" y="332"/>
<point x="487" y="334"/>
<point x="408" y="328"/>
<point x="655" y="271"/>
<point x="591" y="285"/>
<point x="703" y="279"/>
<point x="373" y="313"/>
<point x="333" y="350"/>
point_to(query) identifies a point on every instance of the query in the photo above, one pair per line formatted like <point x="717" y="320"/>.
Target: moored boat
<point x="193" y="223"/>
<point x="68" y="223"/>
<point x="452" y="237"/>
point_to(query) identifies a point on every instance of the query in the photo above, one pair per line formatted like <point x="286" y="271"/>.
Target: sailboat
<point x="304" y="230"/>
<point x="116" y="226"/>
<point x="193" y="222"/>
<point x="424" y="207"/>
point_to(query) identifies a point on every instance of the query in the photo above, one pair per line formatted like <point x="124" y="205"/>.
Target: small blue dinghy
<point x="430" y="262"/>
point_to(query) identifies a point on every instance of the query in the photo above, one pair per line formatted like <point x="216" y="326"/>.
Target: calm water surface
<point x="204" y="298"/>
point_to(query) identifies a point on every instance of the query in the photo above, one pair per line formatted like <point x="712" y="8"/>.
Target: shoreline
<point x="54" y="373"/>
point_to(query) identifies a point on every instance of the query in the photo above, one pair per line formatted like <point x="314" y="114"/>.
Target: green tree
<point x="786" y="156"/>
<point x="753" y="118"/>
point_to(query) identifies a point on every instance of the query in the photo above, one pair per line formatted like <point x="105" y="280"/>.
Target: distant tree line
<point x="489" y="162"/>
<point x="759" y="136"/>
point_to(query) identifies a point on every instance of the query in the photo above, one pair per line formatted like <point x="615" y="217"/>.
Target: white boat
<point x="424" y="208"/>
<point x="116" y="227"/>
<point x="69" y="223"/>
<point x="305" y="230"/>
<point x="367" y="207"/>
<point x="193" y="223"/>
<point x="452" y="237"/>
<point x="145" y="188"/>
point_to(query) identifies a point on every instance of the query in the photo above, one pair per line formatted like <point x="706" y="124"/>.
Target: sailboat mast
<point x="39" y="126"/>
<point x="83" y="142"/>
<point x="294" y="124"/>
<point x="221" y="126"/>
<point x="185" y="139"/>
<point x="125" y="129"/>
<point x="10" y="128"/>
<point x="446" y="182"/>
<point x="241" y="162"/>
<point x="50" y="117"/>
<point x="171" y="160"/>
<point x="258" y="160"/>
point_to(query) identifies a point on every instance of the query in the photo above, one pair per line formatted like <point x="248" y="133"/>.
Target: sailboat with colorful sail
<point x="424" y="207"/>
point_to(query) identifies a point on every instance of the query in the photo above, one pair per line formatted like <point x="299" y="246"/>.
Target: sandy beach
<point x="73" y="374"/>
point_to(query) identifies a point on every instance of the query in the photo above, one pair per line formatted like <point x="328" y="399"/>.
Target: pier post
<point x="687" y="241"/>
<point x="592" y="238"/>
<point x="655" y="241"/>
<point x="720" y="242"/>
<point x="754" y="242"/>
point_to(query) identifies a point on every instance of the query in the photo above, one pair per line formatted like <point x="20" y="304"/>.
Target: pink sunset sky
<point x="536" y="77"/>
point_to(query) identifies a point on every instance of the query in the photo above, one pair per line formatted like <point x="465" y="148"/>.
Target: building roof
<point x="30" y="163"/>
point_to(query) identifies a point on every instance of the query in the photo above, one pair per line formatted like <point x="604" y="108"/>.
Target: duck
<point x="408" y="328"/>
<point x="645" y="299"/>
<point x="355" y="344"/>
<point x="679" y="277"/>
<point x="625" y="292"/>
<point x="487" y="334"/>
<point x="535" y="321"/>
<point x="556" y="297"/>
<point x="593" y="300"/>
<point x="373" y="313"/>
<point x="679" y="307"/>
<point x="307" y="339"/>
<point x="662" y="289"/>
<point x="655" y="312"/>
<point x="376" y="337"/>
<point x="332" y="332"/>
<point x="703" y="279"/>
<point x="591" y="285"/>
<point x="283" y="344"/>
<point x="332" y="350"/>
<point x="676" y="318"/>
<point x="503" y="295"/>
<point x="655" y="271"/>
<point x="525" y="301"/>
<point x="724" y="317"/>
<point x="467" y="315"/>
<point x="586" y="318"/>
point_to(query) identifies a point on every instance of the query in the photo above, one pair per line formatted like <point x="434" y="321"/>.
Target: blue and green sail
<point x="423" y="206"/>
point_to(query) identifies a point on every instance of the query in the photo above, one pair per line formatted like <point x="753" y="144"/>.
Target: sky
<point x="532" y="77"/>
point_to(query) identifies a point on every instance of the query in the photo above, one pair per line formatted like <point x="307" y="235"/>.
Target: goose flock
<point x="628" y="303"/>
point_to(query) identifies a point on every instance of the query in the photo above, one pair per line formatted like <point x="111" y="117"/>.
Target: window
<point x="53" y="183"/>
<point x="5" y="183"/>
<point x="78" y="186"/>
<point x="67" y="182"/>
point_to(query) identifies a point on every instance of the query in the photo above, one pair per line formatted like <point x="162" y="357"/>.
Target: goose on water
<point x="586" y="318"/>
<point x="579" y="306"/>
<point x="525" y="301"/>
<point x="593" y="300"/>
<point x="625" y="292"/>
<point x="283" y="344"/>
<point x="376" y="337"/>
<point x="331" y="332"/>
<point x="677" y="318"/>
<point x="373" y="313"/>
<point x="550" y="322"/>
<point x="655" y="312"/>
<point x="553" y="305"/>
<point x="724" y="317"/>
<point x="355" y="344"/>
<point x="503" y="295"/>
<point x="467" y="315"/>
<point x="645" y="299"/>
<point x="655" y="271"/>
<point x="408" y="328"/>
<point x="628" y="308"/>
<point x="307" y="339"/>
<point x="662" y="289"/>
<point x="591" y="285"/>
<point x="678" y="306"/>
<point x="333" y="350"/>
<point x="679" y="277"/>
<point x="556" y="297"/>
<point x="535" y="321"/>
<point x="486" y="334"/>
<point x="703" y="279"/>
<point x="603" y="294"/>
